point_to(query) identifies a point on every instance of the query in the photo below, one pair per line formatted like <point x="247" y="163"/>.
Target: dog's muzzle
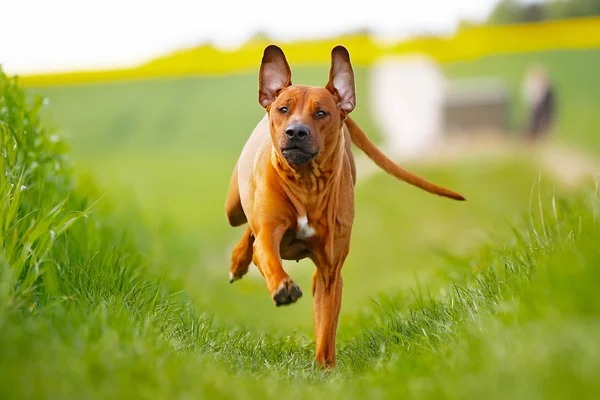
<point x="297" y="149"/>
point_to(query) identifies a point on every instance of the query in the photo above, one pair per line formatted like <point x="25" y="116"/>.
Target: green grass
<point x="494" y="297"/>
<point x="164" y="151"/>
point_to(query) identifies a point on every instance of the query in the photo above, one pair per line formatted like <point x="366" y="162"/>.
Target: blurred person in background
<point x="540" y="99"/>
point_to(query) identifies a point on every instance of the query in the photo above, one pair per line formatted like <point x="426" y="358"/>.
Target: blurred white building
<point x="407" y="95"/>
<point x="417" y="108"/>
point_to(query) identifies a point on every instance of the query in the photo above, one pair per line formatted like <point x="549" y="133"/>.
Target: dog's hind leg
<point x="241" y="256"/>
<point x="233" y="206"/>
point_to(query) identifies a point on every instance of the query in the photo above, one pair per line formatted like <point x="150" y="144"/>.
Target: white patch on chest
<point x="304" y="229"/>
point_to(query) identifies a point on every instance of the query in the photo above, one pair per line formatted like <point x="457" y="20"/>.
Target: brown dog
<point x="294" y="185"/>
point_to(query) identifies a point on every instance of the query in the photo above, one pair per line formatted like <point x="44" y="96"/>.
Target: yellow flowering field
<point x="468" y="43"/>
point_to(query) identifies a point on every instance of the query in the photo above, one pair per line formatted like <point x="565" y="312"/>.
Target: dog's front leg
<point x="327" y="292"/>
<point x="266" y="256"/>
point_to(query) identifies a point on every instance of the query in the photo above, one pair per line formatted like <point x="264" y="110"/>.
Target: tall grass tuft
<point x="35" y="210"/>
<point x="52" y="248"/>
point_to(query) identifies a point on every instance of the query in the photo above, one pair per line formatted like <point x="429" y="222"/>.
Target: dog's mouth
<point x="297" y="155"/>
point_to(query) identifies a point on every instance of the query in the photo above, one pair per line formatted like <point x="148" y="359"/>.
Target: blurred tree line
<point x="521" y="11"/>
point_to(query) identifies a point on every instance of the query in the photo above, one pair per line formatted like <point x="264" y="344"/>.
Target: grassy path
<point x="86" y="311"/>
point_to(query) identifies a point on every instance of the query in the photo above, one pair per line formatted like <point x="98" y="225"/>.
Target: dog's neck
<point x="313" y="189"/>
<point x="309" y="184"/>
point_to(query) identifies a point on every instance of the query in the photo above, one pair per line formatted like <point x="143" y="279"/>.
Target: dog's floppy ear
<point x="275" y="74"/>
<point x="341" y="79"/>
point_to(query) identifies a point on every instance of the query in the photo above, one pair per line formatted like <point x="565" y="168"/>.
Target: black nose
<point x="297" y="131"/>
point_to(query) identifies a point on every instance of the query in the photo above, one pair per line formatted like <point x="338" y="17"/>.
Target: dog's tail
<point x="360" y="139"/>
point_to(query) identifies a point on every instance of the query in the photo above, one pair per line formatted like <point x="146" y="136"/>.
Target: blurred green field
<point x="166" y="149"/>
<point x="442" y="299"/>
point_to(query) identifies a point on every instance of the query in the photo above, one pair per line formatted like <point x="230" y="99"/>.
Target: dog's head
<point x="306" y="122"/>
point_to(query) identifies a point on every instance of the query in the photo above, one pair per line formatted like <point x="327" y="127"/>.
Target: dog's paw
<point x="287" y="293"/>
<point x="233" y="277"/>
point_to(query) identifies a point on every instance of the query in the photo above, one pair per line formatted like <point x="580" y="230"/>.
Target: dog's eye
<point x="321" y="114"/>
<point x="283" y="110"/>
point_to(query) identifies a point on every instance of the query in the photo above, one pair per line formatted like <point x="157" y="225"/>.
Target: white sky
<point x="59" y="35"/>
